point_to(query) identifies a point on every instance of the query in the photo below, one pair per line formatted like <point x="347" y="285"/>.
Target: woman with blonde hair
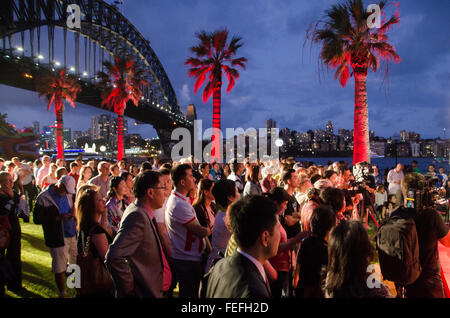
<point x="85" y="175"/>
<point x="93" y="227"/>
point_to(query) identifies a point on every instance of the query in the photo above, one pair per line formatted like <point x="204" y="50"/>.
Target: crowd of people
<point x="276" y="228"/>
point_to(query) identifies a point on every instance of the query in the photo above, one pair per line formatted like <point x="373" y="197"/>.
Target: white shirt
<point x="394" y="176"/>
<point x="258" y="265"/>
<point x="160" y="214"/>
<point x="380" y="198"/>
<point x="237" y="180"/>
<point x="179" y="213"/>
<point x="43" y="171"/>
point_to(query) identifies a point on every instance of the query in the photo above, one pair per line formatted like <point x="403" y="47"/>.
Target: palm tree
<point x="122" y="82"/>
<point x="213" y="58"/>
<point x="348" y="42"/>
<point x="58" y="87"/>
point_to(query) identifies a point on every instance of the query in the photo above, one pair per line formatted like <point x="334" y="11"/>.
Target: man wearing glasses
<point x="136" y="259"/>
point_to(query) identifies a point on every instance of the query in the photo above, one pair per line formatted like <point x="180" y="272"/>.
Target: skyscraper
<point x="191" y="113"/>
<point x="104" y="126"/>
<point x="36" y="128"/>
<point x="329" y="128"/>
<point x="270" y="123"/>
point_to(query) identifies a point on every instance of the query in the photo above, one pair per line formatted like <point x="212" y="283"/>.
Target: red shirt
<point x="75" y="176"/>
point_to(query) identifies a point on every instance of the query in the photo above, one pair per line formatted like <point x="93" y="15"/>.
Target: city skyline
<point x="282" y="80"/>
<point x="131" y="128"/>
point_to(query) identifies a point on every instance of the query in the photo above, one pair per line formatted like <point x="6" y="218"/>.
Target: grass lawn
<point x="38" y="278"/>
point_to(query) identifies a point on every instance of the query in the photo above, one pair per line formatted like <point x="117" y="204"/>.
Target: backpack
<point x="398" y="248"/>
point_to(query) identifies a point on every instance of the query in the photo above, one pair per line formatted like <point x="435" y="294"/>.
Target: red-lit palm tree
<point x="214" y="57"/>
<point x="348" y="42"/>
<point x="57" y="87"/>
<point x="122" y="82"/>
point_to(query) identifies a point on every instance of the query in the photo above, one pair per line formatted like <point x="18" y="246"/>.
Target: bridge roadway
<point x="22" y="72"/>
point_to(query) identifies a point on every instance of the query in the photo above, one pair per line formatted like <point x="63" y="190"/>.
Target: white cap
<point x="68" y="182"/>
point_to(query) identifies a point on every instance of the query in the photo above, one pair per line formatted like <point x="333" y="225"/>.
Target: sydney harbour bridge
<point x="35" y="38"/>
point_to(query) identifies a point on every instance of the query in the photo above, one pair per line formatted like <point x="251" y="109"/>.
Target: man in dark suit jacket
<point x="136" y="258"/>
<point x="255" y="226"/>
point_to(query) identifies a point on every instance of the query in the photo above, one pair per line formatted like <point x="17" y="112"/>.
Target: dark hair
<point x="204" y="184"/>
<point x="254" y="174"/>
<point x="234" y="166"/>
<point x="146" y="165"/>
<point x="164" y="171"/>
<point x="390" y="196"/>
<point x="412" y="180"/>
<point x="203" y="165"/>
<point x="132" y="166"/>
<point x="222" y="190"/>
<point x="113" y="166"/>
<point x="249" y="217"/>
<point x="342" y="168"/>
<point x="179" y="172"/>
<point x="278" y="195"/>
<point x="73" y="164"/>
<point x="167" y="165"/>
<point x="322" y="220"/>
<point x="333" y="197"/>
<point x="124" y="175"/>
<point x="145" y="181"/>
<point x="349" y="254"/>
<point x="329" y="174"/>
<point x="113" y="185"/>
<point x="315" y="178"/>
<point x="286" y="175"/>
<point x="311" y="171"/>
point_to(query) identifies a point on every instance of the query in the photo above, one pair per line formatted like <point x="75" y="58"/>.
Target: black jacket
<point x="236" y="277"/>
<point x="45" y="213"/>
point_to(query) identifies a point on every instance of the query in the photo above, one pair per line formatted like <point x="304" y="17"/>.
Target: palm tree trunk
<point x="59" y="131"/>
<point x="216" y="147"/>
<point x="361" y="146"/>
<point x="120" y="148"/>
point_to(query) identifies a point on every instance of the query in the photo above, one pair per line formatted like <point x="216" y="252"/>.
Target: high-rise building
<point x="402" y="135"/>
<point x="105" y="127"/>
<point x="329" y="128"/>
<point x="77" y="134"/>
<point x="47" y="139"/>
<point x="67" y="136"/>
<point x="270" y="123"/>
<point x="36" y="128"/>
<point x="191" y="113"/>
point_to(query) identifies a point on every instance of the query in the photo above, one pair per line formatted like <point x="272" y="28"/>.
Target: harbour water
<point x="383" y="163"/>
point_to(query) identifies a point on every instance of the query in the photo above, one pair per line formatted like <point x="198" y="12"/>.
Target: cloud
<point x="185" y="96"/>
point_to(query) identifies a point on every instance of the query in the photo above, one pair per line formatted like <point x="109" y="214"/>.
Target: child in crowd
<point x="381" y="201"/>
<point x="392" y="200"/>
